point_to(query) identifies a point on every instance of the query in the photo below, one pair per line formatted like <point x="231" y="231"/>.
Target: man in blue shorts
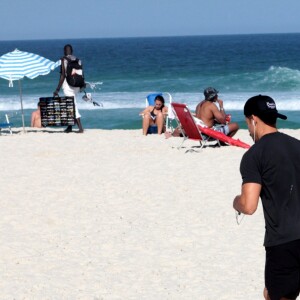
<point x="270" y="170"/>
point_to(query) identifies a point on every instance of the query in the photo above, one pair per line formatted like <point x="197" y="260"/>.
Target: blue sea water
<point x="124" y="70"/>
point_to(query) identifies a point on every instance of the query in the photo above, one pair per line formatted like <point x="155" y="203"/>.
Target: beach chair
<point x="199" y="132"/>
<point x="150" y="100"/>
<point x="6" y="124"/>
<point x="188" y="127"/>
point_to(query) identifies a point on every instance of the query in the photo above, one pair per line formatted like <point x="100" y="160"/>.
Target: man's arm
<point x="247" y="202"/>
<point x="219" y="115"/>
<point x="61" y="78"/>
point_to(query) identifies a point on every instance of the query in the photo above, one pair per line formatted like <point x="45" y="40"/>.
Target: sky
<point x="60" y="19"/>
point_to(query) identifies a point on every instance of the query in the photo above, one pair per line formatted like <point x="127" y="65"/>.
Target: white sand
<point x="116" y="215"/>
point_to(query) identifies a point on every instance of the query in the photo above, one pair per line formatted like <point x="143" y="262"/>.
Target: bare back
<point x="208" y="112"/>
<point x="36" y="119"/>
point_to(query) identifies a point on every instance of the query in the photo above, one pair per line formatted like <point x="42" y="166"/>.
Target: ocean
<point x="123" y="71"/>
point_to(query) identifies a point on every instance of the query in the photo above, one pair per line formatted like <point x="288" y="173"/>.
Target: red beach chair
<point x="193" y="131"/>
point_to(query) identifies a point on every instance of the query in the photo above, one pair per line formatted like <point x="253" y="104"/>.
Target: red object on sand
<point x="193" y="131"/>
<point x="222" y="137"/>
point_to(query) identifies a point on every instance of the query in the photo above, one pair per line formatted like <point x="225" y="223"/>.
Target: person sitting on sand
<point x="212" y="116"/>
<point x="36" y="120"/>
<point x="155" y="115"/>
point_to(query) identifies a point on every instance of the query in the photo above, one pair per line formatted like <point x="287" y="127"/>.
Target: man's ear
<point x="254" y="120"/>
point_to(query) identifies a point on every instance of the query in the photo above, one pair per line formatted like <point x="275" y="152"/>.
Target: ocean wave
<point x="232" y="101"/>
<point x="279" y="79"/>
<point x="282" y="77"/>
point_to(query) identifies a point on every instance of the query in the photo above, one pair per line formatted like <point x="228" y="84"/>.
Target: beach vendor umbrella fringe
<point x="18" y="64"/>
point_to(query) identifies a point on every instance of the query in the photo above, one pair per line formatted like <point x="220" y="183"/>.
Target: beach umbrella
<point x="18" y="64"/>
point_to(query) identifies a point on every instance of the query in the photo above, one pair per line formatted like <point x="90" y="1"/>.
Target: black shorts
<point x="282" y="271"/>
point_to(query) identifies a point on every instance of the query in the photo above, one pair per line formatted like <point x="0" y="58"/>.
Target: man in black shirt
<point x="270" y="170"/>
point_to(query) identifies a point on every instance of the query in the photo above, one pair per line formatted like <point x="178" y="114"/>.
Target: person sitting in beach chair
<point x="155" y="115"/>
<point x="197" y="131"/>
<point x="213" y="116"/>
<point x="210" y="113"/>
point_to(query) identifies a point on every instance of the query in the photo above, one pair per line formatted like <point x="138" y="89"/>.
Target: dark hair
<point x="161" y="99"/>
<point x="210" y="93"/>
<point x="68" y="49"/>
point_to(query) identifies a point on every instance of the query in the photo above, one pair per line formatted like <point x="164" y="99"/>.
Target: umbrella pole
<point x="22" y="111"/>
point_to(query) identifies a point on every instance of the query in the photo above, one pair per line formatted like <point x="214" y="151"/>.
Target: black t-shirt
<point x="274" y="162"/>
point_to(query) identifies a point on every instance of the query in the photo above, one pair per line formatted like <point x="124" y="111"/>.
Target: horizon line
<point x="152" y="36"/>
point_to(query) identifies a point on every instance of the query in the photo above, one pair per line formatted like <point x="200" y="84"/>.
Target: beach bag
<point x="74" y="73"/>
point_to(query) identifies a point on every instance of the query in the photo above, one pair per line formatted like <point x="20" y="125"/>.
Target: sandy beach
<point x="116" y="215"/>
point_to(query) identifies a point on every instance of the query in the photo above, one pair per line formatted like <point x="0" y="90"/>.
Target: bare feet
<point x="168" y="134"/>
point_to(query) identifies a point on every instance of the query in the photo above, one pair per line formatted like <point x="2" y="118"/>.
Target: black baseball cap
<point x="263" y="107"/>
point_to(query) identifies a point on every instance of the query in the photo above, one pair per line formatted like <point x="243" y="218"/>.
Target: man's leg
<point x="233" y="128"/>
<point x="79" y="125"/>
<point x="282" y="271"/>
<point x="266" y="295"/>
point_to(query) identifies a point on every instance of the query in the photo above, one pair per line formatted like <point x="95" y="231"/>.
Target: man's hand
<point x="220" y="103"/>
<point x="55" y="93"/>
<point x="247" y="202"/>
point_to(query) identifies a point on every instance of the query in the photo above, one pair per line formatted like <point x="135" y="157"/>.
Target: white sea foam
<point x="95" y="86"/>
<point x="282" y="74"/>
<point x="119" y="100"/>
